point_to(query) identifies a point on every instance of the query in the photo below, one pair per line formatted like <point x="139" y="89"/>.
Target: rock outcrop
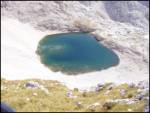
<point x="61" y="15"/>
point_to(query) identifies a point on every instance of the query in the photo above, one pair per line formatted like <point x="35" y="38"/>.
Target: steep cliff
<point x="61" y="15"/>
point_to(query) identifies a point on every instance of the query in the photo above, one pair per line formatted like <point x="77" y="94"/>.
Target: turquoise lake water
<point x="74" y="53"/>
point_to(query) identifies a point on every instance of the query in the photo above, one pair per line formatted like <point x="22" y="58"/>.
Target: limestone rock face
<point x="134" y="12"/>
<point x="61" y="15"/>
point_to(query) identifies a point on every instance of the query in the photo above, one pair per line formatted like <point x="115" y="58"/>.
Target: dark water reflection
<point x="74" y="53"/>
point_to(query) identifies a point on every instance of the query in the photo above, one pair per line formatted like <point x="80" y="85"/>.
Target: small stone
<point x="97" y="89"/>
<point x="108" y="105"/>
<point x="100" y="85"/>
<point x="35" y="94"/>
<point x="79" y="104"/>
<point x="69" y="94"/>
<point x="129" y="110"/>
<point x="107" y="92"/>
<point x="28" y="99"/>
<point x="131" y="85"/>
<point x="143" y="84"/>
<point x="122" y="92"/>
<point x="32" y="84"/>
<point x="35" y="85"/>
<point x="110" y="87"/>
<point x="96" y="104"/>
<point x="146" y="109"/>
<point x="130" y="101"/>
<point x="139" y="96"/>
<point x="91" y="108"/>
<point x="44" y="89"/>
<point x="122" y="101"/>
<point x="139" y="90"/>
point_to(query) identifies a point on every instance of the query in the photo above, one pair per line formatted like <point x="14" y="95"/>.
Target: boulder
<point x="32" y="84"/>
<point x="124" y="101"/>
<point x="70" y="95"/>
<point x="110" y="87"/>
<point x="139" y="96"/>
<point x="35" y="85"/>
<point x="146" y="109"/>
<point x="131" y="85"/>
<point x="122" y="92"/>
<point x="100" y="85"/>
<point x="108" y="105"/>
<point x="143" y="84"/>
<point x="79" y="104"/>
<point x="97" y="89"/>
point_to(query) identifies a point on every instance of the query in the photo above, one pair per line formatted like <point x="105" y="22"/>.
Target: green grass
<point x="22" y="99"/>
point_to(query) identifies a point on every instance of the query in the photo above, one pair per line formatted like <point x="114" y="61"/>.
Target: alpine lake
<point x="75" y="53"/>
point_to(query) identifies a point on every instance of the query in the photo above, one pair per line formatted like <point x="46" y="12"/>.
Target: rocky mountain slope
<point x="61" y="15"/>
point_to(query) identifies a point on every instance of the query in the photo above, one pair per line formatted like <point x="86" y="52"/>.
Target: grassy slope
<point x="22" y="99"/>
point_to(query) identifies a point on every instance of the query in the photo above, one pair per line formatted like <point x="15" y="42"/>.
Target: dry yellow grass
<point x="23" y="99"/>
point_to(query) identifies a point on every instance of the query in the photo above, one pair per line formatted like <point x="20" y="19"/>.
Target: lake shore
<point x="19" y="60"/>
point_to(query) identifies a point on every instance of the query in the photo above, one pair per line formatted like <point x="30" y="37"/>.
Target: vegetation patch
<point x="32" y="99"/>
